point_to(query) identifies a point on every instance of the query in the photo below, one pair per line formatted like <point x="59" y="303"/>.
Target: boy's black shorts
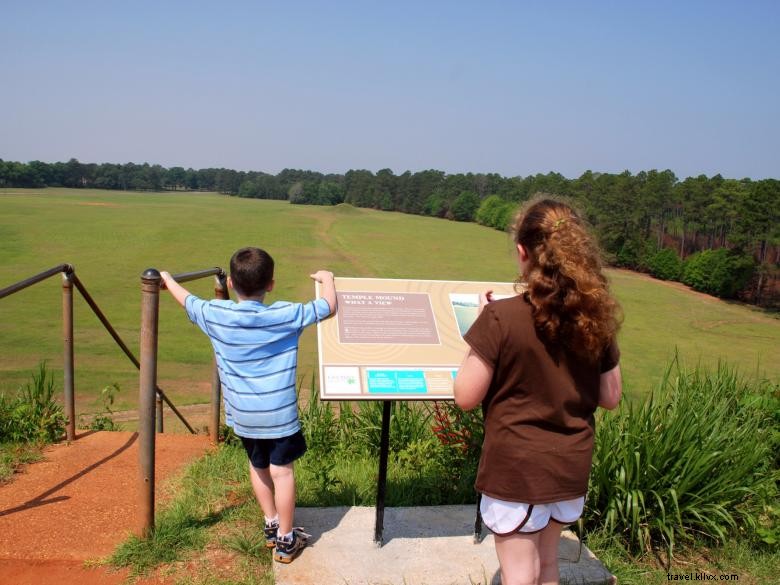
<point x="281" y="451"/>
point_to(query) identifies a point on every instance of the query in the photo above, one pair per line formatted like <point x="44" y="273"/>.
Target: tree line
<point x="719" y="235"/>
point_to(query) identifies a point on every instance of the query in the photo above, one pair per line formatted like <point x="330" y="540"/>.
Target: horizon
<point x="342" y="173"/>
<point x="506" y="88"/>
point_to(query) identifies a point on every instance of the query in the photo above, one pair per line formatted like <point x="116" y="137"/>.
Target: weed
<point x="34" y="415"/>
<point x="105" y="420"/>
<point x="248" y="542"/>
<point x="12" y="455"/>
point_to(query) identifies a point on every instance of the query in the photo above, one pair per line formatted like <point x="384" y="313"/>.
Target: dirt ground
<point x="60" y="516"/>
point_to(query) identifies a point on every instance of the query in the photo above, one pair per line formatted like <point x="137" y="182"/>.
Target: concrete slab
<point x="422" y="546"/>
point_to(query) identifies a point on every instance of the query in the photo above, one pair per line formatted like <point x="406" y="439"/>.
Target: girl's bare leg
<point x="549" y="540"/>
<point x="518" y="555"/>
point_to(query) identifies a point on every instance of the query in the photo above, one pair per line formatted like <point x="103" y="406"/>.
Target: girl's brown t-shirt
<point x="538" y="410"/>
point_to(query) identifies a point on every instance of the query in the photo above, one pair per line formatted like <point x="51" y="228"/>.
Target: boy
<point x="256" y="352"/>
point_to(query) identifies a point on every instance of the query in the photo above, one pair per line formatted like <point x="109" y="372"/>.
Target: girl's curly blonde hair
<point x="569" y="293"/>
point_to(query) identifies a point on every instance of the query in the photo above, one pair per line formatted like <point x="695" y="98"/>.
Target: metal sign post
<point x="384" y="450"/>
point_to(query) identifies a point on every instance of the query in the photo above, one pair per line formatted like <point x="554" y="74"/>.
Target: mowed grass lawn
<point x="111" y="237"/>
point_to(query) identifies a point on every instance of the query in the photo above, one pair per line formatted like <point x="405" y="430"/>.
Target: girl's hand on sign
<point x="485" y="298"/>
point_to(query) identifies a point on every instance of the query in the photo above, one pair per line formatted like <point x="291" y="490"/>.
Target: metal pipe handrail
<point x="70" y="271"/>
<point x="22" y="284"/>
<point x="123" y="346"/>
<point x="195" y="275"/>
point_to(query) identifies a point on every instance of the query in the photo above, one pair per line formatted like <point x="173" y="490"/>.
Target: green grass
<point x="12" y="455"/>
<point x="208" y="532"/>
<point x="111" y="237"/>
<point x="661" y="318"/>
<point x="752" y="566"/>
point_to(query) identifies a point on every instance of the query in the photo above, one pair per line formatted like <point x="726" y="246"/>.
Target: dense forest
<point x="718" y="235"/>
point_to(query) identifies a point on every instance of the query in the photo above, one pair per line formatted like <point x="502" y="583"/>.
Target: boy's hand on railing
<point x="166" y="276"/>
<point x="178" y="291"/>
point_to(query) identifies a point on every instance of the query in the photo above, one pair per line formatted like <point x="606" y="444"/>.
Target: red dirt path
<point x="78" y="504"/>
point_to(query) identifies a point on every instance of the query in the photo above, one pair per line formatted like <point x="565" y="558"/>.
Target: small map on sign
<point x="398" y="339"/>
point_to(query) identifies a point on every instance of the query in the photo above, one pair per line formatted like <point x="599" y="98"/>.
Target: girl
<point x="541" y="363"/>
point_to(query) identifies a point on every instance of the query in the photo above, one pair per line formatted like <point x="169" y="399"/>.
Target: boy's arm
<point x="178" y="291"/>
<point x="328" y="289"/>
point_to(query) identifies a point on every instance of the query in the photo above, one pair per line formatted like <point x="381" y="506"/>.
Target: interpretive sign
<point x="397" y="339"/>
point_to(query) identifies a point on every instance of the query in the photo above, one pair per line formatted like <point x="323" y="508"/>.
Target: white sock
<point x="271" y="521"/>
<point x="287" y="537"/>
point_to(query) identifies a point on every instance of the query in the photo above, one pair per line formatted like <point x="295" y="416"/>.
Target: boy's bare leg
<point x="263" y="486"/>
<point x="283" y="478"/>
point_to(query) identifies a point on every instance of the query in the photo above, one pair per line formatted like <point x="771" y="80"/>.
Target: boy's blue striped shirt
<point x="256" y="348"/>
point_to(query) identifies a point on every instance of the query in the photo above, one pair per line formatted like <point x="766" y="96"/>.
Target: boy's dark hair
<point x="251" y="270"/>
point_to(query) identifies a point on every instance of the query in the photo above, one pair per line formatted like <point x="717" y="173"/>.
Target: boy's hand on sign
<point x="322" y="275"/>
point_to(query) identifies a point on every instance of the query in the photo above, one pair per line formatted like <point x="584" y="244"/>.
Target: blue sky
<point x="510" y="87"/>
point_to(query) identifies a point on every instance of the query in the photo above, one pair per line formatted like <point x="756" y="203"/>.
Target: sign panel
<point x="397" y="339"/>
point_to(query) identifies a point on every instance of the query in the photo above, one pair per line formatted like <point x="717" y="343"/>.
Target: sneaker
<point x="287" y="550"/>
<point x="270" y="534"/>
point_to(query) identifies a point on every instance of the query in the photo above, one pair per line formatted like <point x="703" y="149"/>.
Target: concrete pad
<point x="422" y="546"/>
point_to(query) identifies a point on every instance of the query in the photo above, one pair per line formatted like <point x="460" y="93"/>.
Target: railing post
<point x="221" y="292"/>
<point x="150" y="307"/>
<point x="67" y="336"/>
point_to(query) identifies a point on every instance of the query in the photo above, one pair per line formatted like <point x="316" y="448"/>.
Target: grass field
<point x="111" y="237"/>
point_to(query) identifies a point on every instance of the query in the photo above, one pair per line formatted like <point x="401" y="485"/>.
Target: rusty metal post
<point x="221" y="292"/>
<point x="67" y="369"/>
<point x="158" y="404"/>
<point x="150" y="308"/>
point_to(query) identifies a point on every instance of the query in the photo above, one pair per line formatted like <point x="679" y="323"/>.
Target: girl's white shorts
<point x="508" y="517"/>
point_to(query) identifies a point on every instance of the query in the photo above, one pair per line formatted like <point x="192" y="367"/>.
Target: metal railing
<point x="69" y="280"/>
<point x="150" y="313"/>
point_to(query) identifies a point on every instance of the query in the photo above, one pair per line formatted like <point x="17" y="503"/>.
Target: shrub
<point x="495" y="212"/>
<point x="635" y="253"/>
<point x="721" y="272"/>
<point x="465" y="206"/>
<point x="696" y="458"/>
<point x="665" y="264"/>
<point x="33" y="415"/>
<point x="459" y="428"/>
<point x="433" y="456"/>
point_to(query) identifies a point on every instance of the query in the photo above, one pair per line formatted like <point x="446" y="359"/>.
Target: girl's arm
<point x="610" y="388"/>
<point x="472" y="381"/>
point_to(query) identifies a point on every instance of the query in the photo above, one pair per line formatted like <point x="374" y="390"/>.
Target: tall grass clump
<point x="696" y="460"/>
<point x="433" y="455"/>
<point x="33" y="415"/>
